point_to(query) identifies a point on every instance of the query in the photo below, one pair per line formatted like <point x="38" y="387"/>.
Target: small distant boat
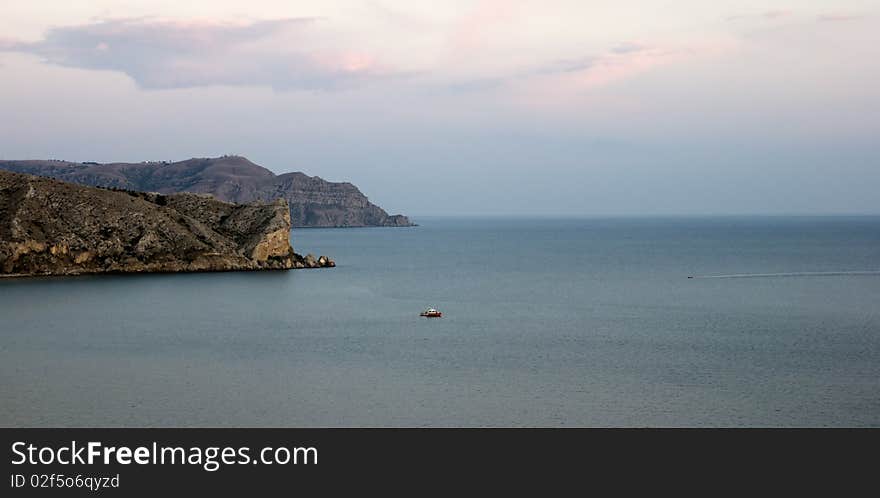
<point x="431" y="313"/>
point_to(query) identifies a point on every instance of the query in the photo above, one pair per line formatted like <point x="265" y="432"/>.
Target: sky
<point x="483" y="107"/>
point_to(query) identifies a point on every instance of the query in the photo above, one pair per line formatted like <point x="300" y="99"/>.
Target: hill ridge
<point x="313" y="201"/>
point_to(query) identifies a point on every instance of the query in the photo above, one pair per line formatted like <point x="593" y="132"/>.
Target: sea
<point x="547" y="322"/>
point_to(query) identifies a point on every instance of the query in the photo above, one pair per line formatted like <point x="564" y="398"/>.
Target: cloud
<point x="158" y="54"/>
<point x="616" y="65"/>
<point x="767" y="15"/>
<point x="627" y="47"/>
<point x="571" y="76"/>
<point x="8" y="44"/>
<point x="620" y="62"/>
<point x="566" y="66"/>
<point x="839" y="17"/>
<point x="471" y="31"/>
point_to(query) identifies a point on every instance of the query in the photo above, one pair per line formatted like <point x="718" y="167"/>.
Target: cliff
<point x="313" y="202"/>
<point x="49" y="227"/>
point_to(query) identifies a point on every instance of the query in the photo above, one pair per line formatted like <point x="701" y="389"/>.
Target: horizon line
<point x="647" y="215"/>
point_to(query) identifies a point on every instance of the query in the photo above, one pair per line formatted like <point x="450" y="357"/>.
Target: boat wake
<point x="792" y="274"/>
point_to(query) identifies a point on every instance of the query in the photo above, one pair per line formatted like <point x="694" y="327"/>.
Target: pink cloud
<point x="618" y="66"/>
<point x="774" y="14"/>
<point x="349" y="62"/>
<point x="767" y="15"/>
<point x="472" y="29"/>
<point x="637" y="58"/>
<point x="8" y="43"/>
<point x="562" y="85"/>
<point x="839" y="17"/>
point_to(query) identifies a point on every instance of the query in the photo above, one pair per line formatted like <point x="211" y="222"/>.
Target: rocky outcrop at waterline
<point x="49" y="227"/>
<point x="313" y="201"/>
<point x="309" y="261"/>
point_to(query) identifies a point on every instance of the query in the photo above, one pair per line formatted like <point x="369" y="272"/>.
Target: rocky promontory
<point x="50" y="227"/>
<point x="313" y="201"/>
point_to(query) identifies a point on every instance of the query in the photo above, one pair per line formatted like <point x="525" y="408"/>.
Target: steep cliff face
<point x="318" y="203"/>
<point x="49" y="227"/>
<point x="313" y="201"/>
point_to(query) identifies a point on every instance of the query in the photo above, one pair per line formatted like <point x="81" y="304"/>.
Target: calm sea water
<point x="577" y="322"/>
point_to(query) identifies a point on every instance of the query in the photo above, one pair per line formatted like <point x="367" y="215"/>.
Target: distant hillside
<point x="314" y="202"/>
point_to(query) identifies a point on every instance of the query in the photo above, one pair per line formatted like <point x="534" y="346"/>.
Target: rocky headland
<point x="50" y="227"/>
<point x="313" y="201"/>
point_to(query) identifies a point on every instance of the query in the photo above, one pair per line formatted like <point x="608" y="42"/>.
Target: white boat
<point x="431" y="313"/>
